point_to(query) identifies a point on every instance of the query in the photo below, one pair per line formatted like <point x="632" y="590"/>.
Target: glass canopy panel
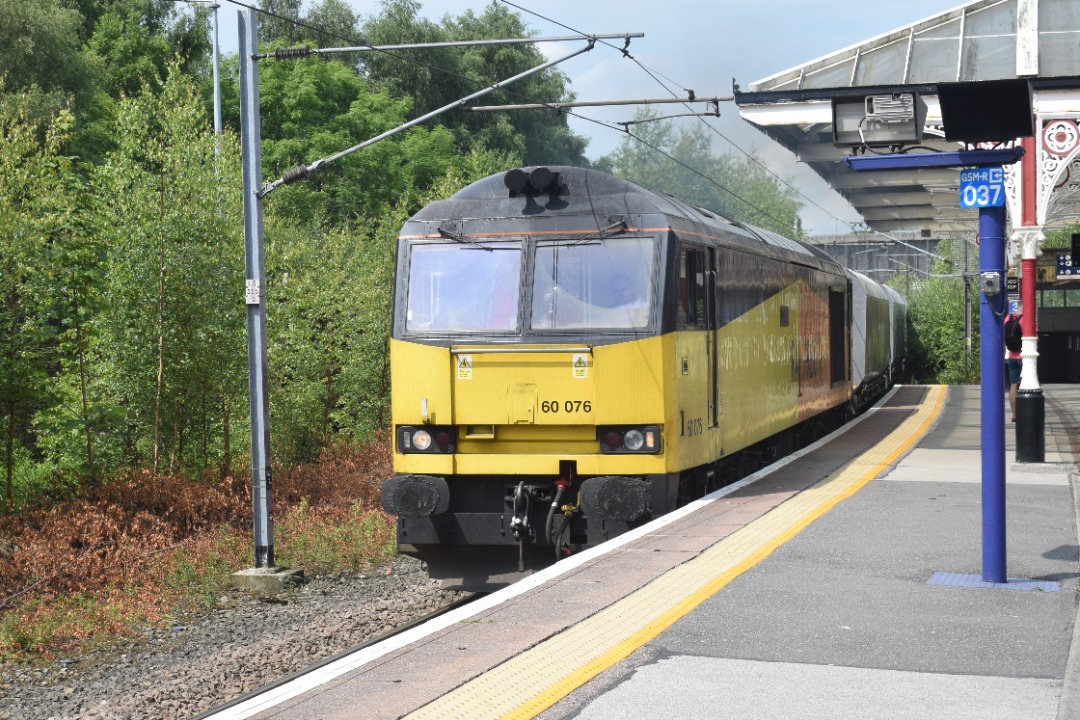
<point x="1059" y="54"/>
<point x="989" y="49"/>
<point x="790" y="84"/>
<point x="838" y="75"/>
<point x="883" y="65"/>
<point x="934" y="54"/>
<point x="998" y="19"/>
<point x="989" y="58"/>
<point x="1059" y="38"/>
<point x="1061" y="15"/>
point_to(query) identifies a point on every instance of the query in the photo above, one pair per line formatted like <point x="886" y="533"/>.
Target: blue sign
<point x="982" y="187"/>
<point x="1065" y="267"/>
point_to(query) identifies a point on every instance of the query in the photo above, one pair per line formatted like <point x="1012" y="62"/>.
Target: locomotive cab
<point x="573" y="355"/>
<point x="525" y="392"/>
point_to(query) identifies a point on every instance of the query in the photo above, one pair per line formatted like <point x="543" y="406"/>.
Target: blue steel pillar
<point x="992" y="355"/>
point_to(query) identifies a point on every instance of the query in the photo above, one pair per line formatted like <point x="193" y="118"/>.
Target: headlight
<point x="642" y="439"/>
<point x="421" y="439"/>
<point x="426" y="439"/>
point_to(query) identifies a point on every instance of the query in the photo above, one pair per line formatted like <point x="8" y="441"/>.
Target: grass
<point x="127" y="556"/>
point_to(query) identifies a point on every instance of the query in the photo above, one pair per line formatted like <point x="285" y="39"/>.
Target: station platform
<point x="842" y="583"/>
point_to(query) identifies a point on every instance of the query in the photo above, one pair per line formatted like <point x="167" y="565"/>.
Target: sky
<point x="700" y="45"/>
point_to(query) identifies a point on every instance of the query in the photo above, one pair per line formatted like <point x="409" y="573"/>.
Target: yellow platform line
<point x="533" y="681"/>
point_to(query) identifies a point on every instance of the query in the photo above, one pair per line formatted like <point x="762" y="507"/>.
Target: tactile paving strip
<point x="535" y="680"/>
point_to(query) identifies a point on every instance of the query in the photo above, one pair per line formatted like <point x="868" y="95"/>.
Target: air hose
<point x="559" y="487"/>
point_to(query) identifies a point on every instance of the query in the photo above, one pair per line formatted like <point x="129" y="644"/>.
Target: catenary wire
<point x="577" y="115"/>
<point x="653" y="74"/>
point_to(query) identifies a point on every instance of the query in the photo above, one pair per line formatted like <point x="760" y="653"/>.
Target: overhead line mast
<point x="255" y="280"/>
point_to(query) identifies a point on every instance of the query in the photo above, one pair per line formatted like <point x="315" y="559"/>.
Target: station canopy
<point x="1038" y="40"/>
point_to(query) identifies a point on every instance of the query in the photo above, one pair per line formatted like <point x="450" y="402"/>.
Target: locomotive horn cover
<point x="540" y="178"/>
<point x="616" y="498"/>
<point x="515" y="180"/>
<point x="415" y="496"/>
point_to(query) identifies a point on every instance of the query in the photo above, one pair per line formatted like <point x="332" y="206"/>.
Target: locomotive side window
<point x="463" y="288"/>
<point x="593" y="285"/>
<point x="692" y="290"/>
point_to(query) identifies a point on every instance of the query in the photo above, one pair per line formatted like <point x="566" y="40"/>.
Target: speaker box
<point x="988" y="111"/>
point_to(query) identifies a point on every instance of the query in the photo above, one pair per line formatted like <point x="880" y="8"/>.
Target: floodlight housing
<point x="878" y="120"/>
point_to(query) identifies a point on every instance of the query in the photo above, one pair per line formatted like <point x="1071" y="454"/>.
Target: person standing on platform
<point x="1013" y="347"/>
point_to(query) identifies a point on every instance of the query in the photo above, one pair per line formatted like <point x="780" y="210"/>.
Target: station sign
<point x="1065" y="266"/>
<point x="982" y="187"/>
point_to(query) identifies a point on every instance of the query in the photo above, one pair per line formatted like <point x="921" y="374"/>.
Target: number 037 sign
<point x="982" y="187"/>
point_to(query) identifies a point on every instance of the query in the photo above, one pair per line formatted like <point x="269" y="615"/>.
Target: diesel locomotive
<point x="572" y="355"/>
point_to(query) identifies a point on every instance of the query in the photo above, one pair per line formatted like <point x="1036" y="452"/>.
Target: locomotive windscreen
<point x="476" y="287"/>
<point x="464" y="288"/>
<point x="595" y="284"/>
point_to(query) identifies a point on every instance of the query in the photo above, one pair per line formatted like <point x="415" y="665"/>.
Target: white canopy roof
<point x="981" y="40"/>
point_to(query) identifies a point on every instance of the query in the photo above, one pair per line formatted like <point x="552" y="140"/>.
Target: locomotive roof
<point x="589" y="192"/>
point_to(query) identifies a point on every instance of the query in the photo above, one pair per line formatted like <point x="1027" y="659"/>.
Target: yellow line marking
<point x="571" y="658"/>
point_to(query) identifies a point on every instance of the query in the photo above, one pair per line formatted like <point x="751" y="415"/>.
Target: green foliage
<point x="1060" y="239"/>
<point x="327" y="540"/>
<point x="202" y="576"/>
<point x="314" y="109"/>
<point x="435" y="78"/>
<point x="171" y="351"/>
<point x="936" y="324"/>
<point x="40" y="56"/>
<point x="45" y="254"/>
<point x="689" y="170"/>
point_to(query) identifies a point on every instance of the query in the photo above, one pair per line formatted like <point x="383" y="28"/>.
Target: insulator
<point x="292" y="53"/>
<point x="297" y="174"/>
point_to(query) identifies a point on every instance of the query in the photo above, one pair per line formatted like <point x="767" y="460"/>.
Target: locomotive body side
<point x="871" y="340"/>
<point x="539" y="409"/>
<point x="898" y="332"/>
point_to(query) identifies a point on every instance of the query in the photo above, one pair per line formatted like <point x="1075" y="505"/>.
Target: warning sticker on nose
<point x="581" y="366"/>
<point x="464" y="367"/>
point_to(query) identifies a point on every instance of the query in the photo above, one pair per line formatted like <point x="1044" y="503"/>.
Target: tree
<point x="437" y="77"/>
<point x="126" y="44"/>
<point x="936" y="322"/>
<point x="41" y="63"/>
<point x="681" y="163"/>
<point x="43" y="254"/>
<point x="340" y="25"/>
<point x="173" y="340"/>
<point x="278" y="22"/>
<point x="312" y="109"/>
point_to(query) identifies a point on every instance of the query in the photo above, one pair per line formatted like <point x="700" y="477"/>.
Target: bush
<point x="135" y="549"/>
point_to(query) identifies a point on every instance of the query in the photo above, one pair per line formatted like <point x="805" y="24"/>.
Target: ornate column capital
<point x="1026" y="242"/>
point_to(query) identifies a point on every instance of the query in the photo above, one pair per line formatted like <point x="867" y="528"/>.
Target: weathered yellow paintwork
<point x="519" y="410"/>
